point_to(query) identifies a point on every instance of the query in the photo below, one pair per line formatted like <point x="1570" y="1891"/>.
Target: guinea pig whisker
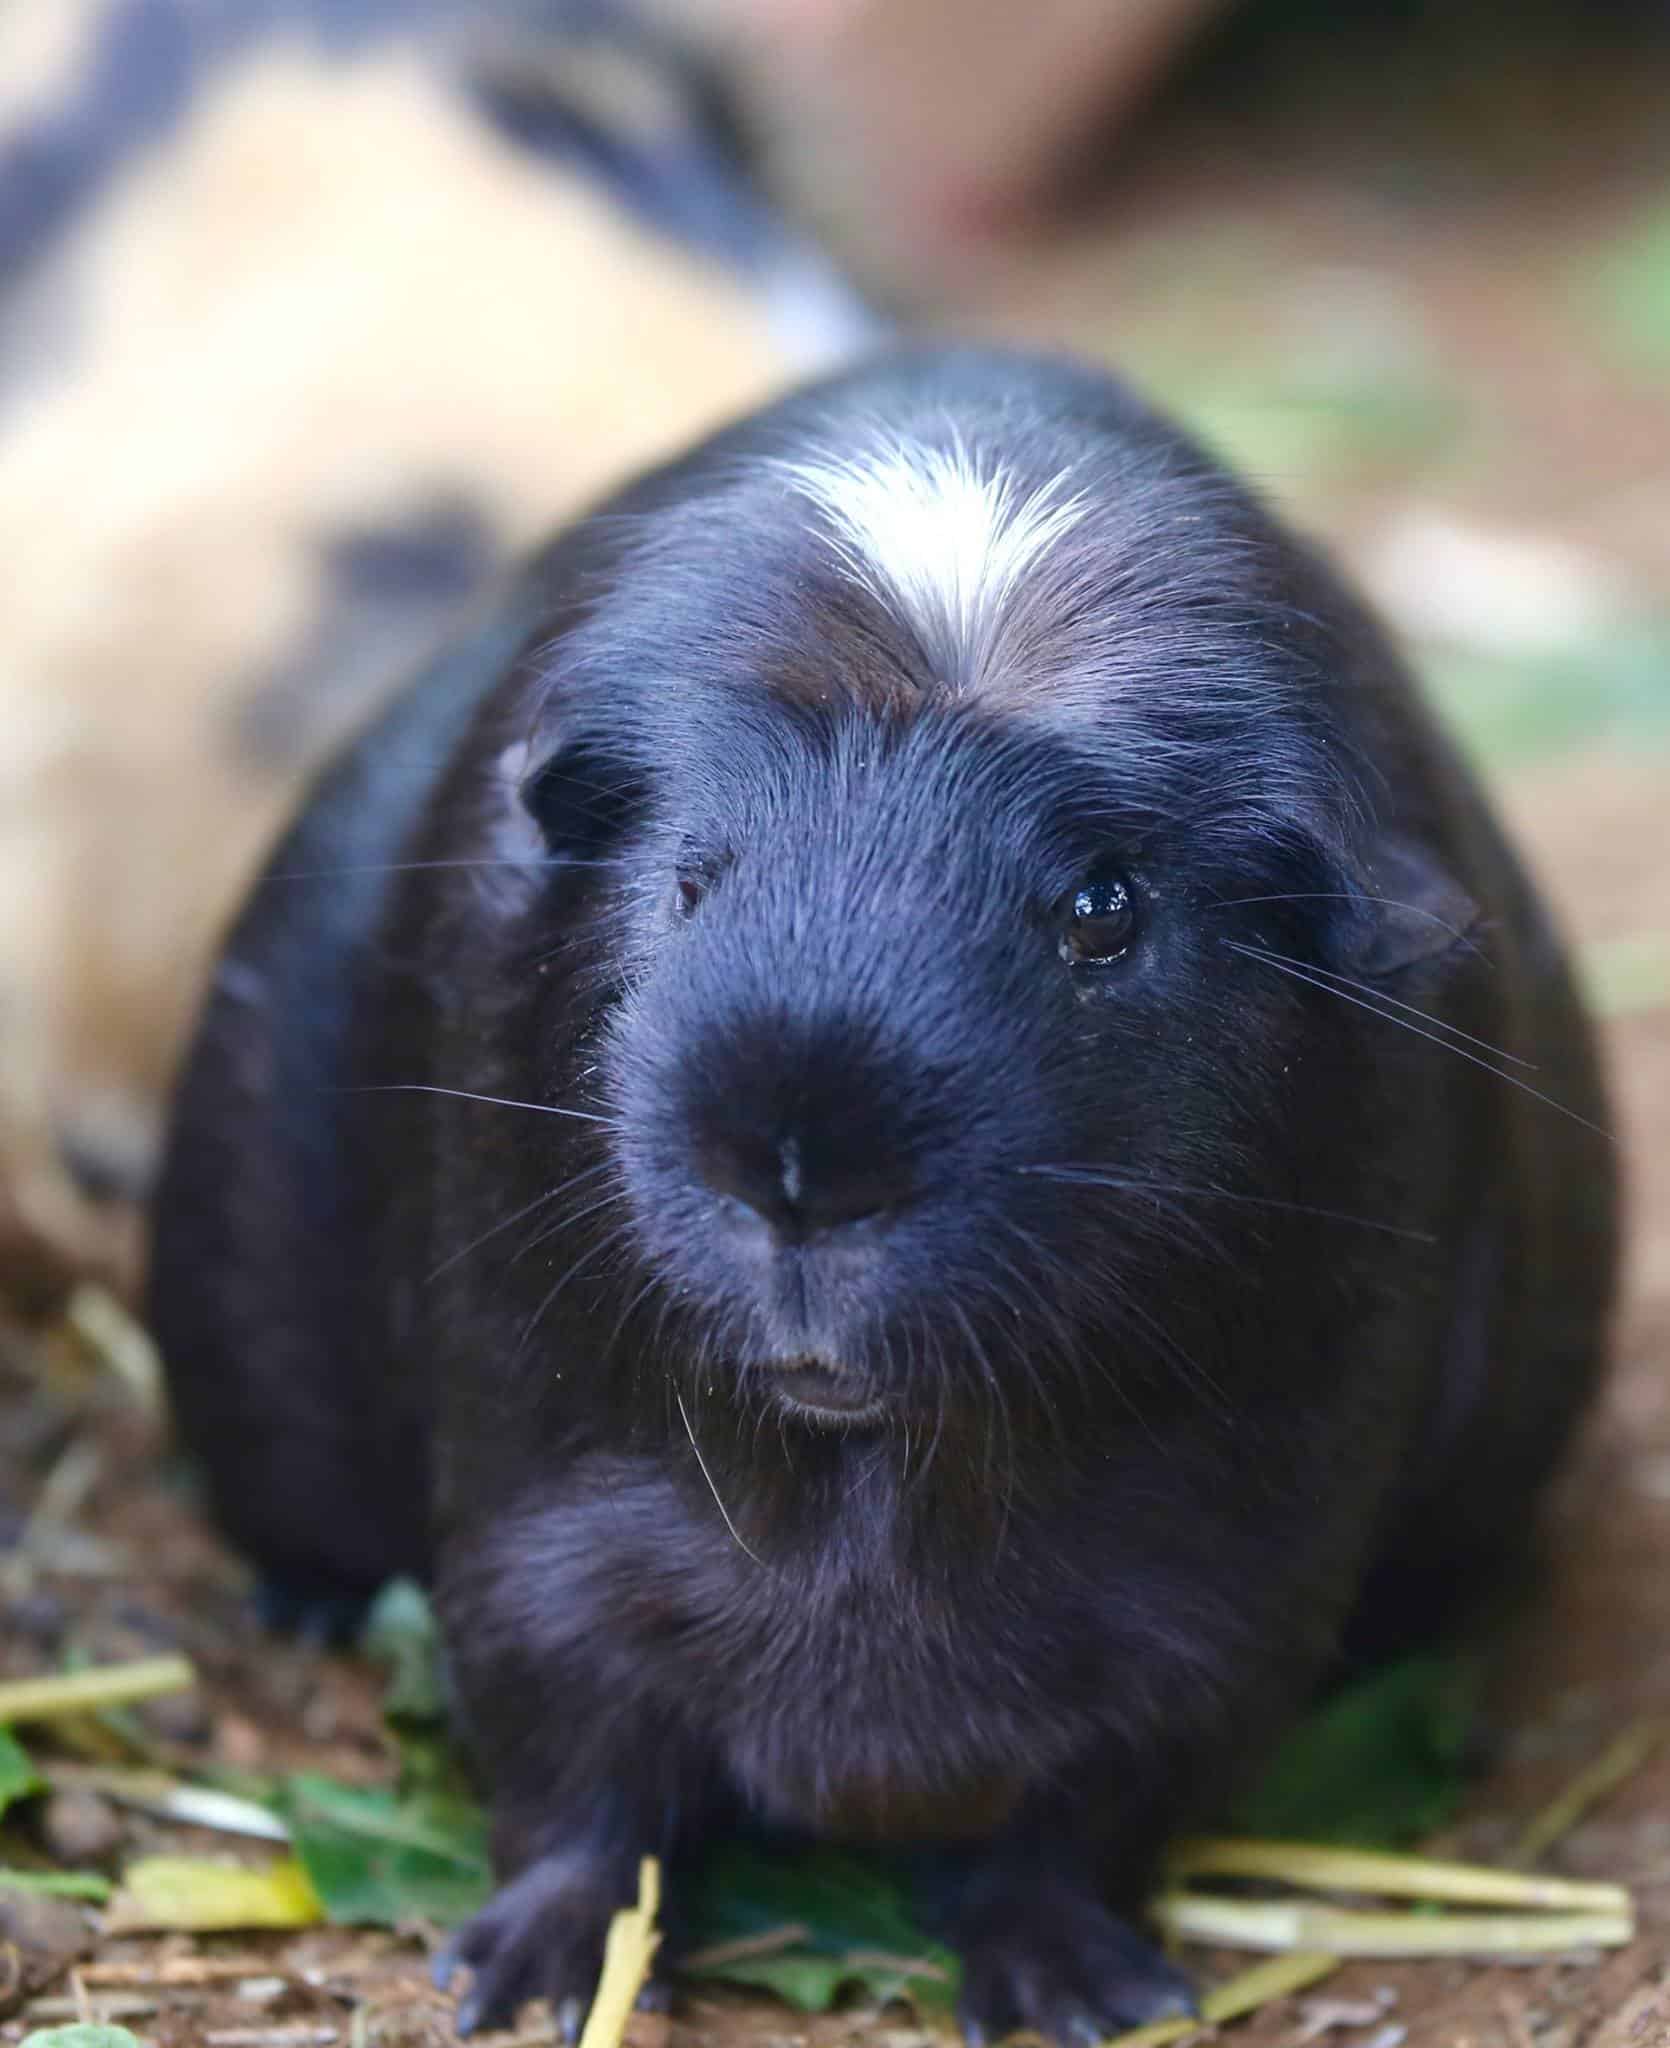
<point x="404" y="867"/>
<point x="583" y="1116"/>
<point x="1163" y="1201"/>
<point x="627" y="1313"/>
<point x="938" y="1436"/>
<point x="724" y="1512"/>
<point x="1352" y="896"/>
<point x="1024" y="1297"/>
<point x="1005" y="1471"/>
<point x="762" y="1414"/>
<point x="1379" y="995"/>
<point x="1040" y="1388"/>
<point x="867" y="1471"/>
<point x="1125" y="1303"/>
<point x="1000" y="1479"/>
<point x="604" y="1244"/>
<point x="1096" y="1177"/>
<point x="932" y="1361"/>
<point x="658" y="1333"/>
<point x="567" y="1222"/>
<point x="509" y="1222"/>
<point x="784" y="1443"/>
<point x="1389" y="1017"/>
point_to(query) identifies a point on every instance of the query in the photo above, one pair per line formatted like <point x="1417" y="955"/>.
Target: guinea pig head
<point x="929" y="1074"/>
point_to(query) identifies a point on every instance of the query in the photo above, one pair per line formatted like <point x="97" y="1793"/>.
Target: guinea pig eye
<point x="694" y="875"/>
<point x="582" y="800"/>
<point x="1099" y="920"/>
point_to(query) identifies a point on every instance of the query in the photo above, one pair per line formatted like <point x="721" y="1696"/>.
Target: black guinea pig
<point x="914" y="1131"/>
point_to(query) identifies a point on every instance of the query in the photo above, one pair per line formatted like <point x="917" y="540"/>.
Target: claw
<point x="1179" y="2004"/>
<point x="1065" y="1967"/>
<point x="541" y="1936"/>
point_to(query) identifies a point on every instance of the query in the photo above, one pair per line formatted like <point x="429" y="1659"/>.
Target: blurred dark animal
<point x="314" y="316"/>
<point x="914" y="1129"/>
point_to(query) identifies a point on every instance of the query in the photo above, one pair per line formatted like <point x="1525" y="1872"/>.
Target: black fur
<point x="1192" y="1316"/>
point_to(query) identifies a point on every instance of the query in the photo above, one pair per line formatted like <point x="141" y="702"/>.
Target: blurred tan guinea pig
<point x="312" y="318"/>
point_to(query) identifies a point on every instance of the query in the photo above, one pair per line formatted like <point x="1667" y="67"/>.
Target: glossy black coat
<point x="1196" y="1317"/>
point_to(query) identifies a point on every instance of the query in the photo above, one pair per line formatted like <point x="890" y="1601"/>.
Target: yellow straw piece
<point x="1619" y="1760"/>
<point x="1312" y="1868"/>
<point x="81" y="1692"/>
<point x="1284" y="1925"/>
<point x="628" y="1952"/>
<point x="1263" y="1984"/>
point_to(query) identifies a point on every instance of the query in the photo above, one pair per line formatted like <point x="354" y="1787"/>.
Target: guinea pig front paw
<point x="540" y="1937"/>
<point x="1060" y="1964"/>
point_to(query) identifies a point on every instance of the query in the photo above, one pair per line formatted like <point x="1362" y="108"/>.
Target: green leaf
<point x="1379" y="1764"/>
<point x="18" y="1777"/>
<point x="402" y="1635"/>
<point x="796" y="1975"/>
<point x="859" y="1933"/>
<point x="198" y="1895"/>
<point x="379" y="1856"/>
<point x="57" y="1884"/>
<point x="81" y="2035"/>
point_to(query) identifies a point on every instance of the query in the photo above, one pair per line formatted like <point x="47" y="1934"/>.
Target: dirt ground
<point x="1521" y="427"/>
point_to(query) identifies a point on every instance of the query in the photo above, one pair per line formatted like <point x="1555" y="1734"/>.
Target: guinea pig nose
<point x="796" y="1195"/>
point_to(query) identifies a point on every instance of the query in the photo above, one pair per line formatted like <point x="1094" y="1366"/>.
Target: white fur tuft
<point x="947" y="542"/>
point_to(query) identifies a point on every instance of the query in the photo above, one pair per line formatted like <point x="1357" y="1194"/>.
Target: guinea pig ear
<point x="1410" y="911"/>
<point x="583" y="798"/>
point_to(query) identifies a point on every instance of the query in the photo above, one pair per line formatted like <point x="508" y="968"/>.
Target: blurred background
<point x="315" y="313"/>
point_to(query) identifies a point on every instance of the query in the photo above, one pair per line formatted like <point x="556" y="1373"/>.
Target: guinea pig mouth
<point x="820" y="1394"/>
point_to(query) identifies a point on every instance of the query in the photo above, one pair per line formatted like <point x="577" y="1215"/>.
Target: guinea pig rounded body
<point x="915" y="1132"/>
